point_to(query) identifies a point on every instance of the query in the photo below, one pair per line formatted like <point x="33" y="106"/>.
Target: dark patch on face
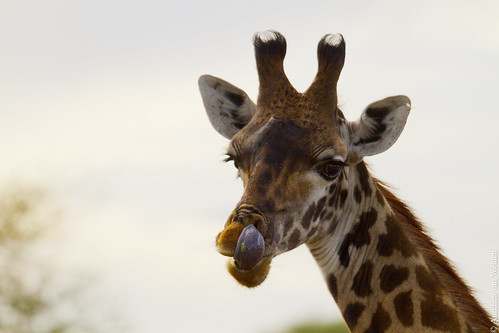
<point x="268" y="205"/>
<point x="236" y="99"/>
<point x="394" y="239"/>
<point x="333" y="190"/>
<point x="391" y="277"/>
<point x="320" y="206"/>
<point x="332" y="285"/>
<point x="294" y="239"/>
<point x="311" y="232"/>
<point x="280" y="140"/>
<point x="364" y="178"/>
<point x="357" y="194"/>
<point x="352" y="313"/>
<point x="265" y="178"/>
<point x="362" y="280"/>
<point x="404" y="308"/>
<point x="331" y="200"/>
<point x="358" y="236"/>
<point x="437" y="315"/>
<point x="257" y="190"/>
<point x="343" y="198"/>
<point x="426" y="281"/>
<point x="308" y="216"/>
<point x="380" y="321"/>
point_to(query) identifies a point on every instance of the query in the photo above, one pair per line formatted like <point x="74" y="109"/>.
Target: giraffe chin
<point x="252" y="277"/>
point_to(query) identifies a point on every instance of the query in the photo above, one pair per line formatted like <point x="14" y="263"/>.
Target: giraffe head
<point x="292" y="150"/>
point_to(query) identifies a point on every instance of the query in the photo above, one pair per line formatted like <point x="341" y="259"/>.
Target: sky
<point x="99" y="105"/>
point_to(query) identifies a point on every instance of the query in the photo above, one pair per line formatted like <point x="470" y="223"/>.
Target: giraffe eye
<point x="331" y="169"/>
<point x="231" y="158"/>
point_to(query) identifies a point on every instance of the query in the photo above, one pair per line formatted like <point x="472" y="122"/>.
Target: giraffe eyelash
<point x="231" y="158"/>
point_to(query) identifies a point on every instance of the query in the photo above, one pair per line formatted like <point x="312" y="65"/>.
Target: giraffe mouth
<point x="249" y="275"/>
<point x="252" y="277"/>
<point x="244" y="215"/>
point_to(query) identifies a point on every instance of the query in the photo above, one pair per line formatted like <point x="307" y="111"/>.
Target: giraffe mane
<point x="459" y="291"/>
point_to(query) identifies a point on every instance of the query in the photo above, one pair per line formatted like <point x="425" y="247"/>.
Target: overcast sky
<point x="99" y="104"/>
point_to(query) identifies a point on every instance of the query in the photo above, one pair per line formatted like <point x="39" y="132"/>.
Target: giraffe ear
<point x="379" y="126"/>
<point x="228" y="107"/>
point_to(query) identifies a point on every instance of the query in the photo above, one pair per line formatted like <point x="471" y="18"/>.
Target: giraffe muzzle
<point x="240" y="218"/>
<point x="248" y="272"/>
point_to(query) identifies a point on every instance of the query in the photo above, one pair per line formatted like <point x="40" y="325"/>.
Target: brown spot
<point x="357" y="194"/>
<point x="320" y="206"/>
<point x="331" y="201"/>
<point x="308" y="216"/>
<point x="358" y="236"/>
<point x="311" y="232"/>
<point x="394" y="239"/>
<point x="294" y="239"/>
<point x="404" y="308"/>
<point x="344" y="251"/>
<point x="426" y="281"/>
<point x="361" y="229"/>
<point x="364" y="178"/>
<point x="343" y="197"/>
<point x="332" y="285"/>
<point x="362" y="280"/>
<point x="437" y="315"/>
<point x="332" y="188"/>
<point x="332" y="227"/>
<point x="391" y="277"/>
<point x="352" y="313"/>
<point x="438" y="264"/>
<point x="380" y="321"/>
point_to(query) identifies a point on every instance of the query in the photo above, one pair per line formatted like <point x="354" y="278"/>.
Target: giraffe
<point x="305" y="182"/>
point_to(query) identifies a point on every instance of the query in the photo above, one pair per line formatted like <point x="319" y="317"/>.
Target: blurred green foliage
<point x="36" y="295"/>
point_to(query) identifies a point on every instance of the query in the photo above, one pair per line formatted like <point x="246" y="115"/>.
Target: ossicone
<point x="269" y="45"/>
<point x="331" y="58"/>
<point x="270" y="50"/>
<point x="331" y="55"/>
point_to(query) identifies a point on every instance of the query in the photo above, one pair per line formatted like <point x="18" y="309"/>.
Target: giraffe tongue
<point x="249" y="249"/>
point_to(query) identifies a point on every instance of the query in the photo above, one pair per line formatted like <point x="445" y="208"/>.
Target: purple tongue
<point x="250" y="248"/>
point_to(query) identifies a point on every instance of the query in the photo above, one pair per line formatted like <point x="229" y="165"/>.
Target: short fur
<point x="460" y="292"/>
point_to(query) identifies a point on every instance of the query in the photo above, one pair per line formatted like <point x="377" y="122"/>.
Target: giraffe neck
<point x="381" y="275"/>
